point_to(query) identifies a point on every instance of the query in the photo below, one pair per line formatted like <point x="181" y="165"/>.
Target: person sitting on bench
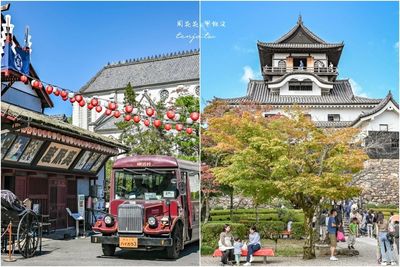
<point x="253" y="245"/>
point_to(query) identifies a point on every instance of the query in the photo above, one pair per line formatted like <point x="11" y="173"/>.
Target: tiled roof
<point x="333" y="124"/>
<point x="298" y="26"/>
<point x="341" y="93"/>
<point x="176" y="67"/>
<point x="47" y="121"/>
<point x="294" y="45"/>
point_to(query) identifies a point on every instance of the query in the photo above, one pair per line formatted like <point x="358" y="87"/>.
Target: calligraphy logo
<point x="18" y="62"/>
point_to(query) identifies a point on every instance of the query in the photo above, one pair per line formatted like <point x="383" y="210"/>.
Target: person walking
<point x="352" y="234"/>
<point x="225" y="245"/>
<point x="385" y="246"/>
<point x="332" y="230"/>
<point x="253" y="245"/>
<point x="370" y="224"/>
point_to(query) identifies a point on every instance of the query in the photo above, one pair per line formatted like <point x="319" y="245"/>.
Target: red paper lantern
<point x="167" y="127"/>
<point x="117" y="114"/>
<point x="112" y="105"/>
<point x="35" y="83"/>
<point x="49" y="89"/>
<point x="94" y="102"/>
<point x="108" y="112"/>
<point x="72" y="100"/>
<point x="149" y="111"/>
<point x="170" y="114"/>
<point x="99" y="109"/>
<point x="64" y="94"/>
<point x="23" y="79"/>
<point x="65" y="98"/>
<point x="128" y="109"/>
<point x="189" y="130"/>
<point x="194" y="116"/>
<point x="78" y="98"/>
<point x="157" y="123"/>
<point x="56" y="92"/>
<point x="179" y="127"/>
<point x="136" y="118"/>
<point x="90" y="106"/>
<point x="146" y="122"/>
<point x="40" y="85"/>
<point x="128" y="117"/>
<point x="82" y="103"/>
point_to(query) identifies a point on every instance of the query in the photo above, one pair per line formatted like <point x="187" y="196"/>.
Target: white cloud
<point x="396" y="46"/>
<point x="357" y="89"/>
<point x="248" y="73"/>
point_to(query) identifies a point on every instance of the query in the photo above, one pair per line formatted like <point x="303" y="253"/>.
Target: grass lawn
<point x="285" y="247"/>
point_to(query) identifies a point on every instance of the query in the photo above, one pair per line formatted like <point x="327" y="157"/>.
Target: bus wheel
<point x="108" y="250"/>
<point x="173" y="251"/>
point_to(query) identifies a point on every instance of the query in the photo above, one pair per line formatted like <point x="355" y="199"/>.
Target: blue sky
<point x="72" y="41"/>
<point x="368" y="29"/>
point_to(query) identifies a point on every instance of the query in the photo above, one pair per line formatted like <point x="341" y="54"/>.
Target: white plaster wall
<point x="388" y="117"/>
<point x="316" y="90"/>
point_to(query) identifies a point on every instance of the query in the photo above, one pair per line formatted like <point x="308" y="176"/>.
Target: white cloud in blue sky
<point x="357" y="89"/>
<point x="243" y="50"/>
<point x="248" y="74"/>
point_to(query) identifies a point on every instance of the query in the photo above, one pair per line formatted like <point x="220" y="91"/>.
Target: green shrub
<point x="271" y="229"/>
<point x="216" y="218"/>
<point x="298" y="231"/>
<point x="236" y="218"/>
<point x="207" y="250"/>
<point x="210" y="232"/>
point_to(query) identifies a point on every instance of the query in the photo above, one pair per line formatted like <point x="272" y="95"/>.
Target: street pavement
<point x="81" y="252"/>
<point x="366" y="246"/>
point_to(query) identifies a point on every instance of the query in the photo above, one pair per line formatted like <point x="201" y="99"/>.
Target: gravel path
<point x="366" y="247"/>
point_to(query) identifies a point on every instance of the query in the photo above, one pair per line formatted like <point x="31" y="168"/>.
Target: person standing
<point x="352" y="234"/>
<point x="237" y="250"/>
<point x="396" y="235"/>
<point x="322" y="225"/>
<point x="253" y="245"/>
<point x="386" y="247"/>
<point x="225" y="245"/>
<point x="332" y="230"/>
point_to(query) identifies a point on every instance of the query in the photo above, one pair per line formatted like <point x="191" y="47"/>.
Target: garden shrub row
<point x="247" y="211"/>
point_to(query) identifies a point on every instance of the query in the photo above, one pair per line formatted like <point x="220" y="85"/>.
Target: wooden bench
<point x="263" y="252"/>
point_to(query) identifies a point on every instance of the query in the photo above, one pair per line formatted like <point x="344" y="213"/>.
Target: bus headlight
<point x="109" y="220"/>
<point x="152" y="221"/>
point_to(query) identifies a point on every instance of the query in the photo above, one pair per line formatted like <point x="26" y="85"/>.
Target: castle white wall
<point x="391" y="118"/>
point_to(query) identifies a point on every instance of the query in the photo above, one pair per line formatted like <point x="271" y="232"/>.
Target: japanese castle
<point x="301" y="68"/>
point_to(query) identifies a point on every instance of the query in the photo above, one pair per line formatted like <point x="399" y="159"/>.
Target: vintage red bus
<point x="154" y="204"/>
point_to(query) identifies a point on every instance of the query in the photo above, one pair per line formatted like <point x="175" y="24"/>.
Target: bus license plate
<point x="128" y="242"/>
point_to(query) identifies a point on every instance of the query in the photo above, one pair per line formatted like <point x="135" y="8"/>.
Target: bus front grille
<point x="130" y="218"/>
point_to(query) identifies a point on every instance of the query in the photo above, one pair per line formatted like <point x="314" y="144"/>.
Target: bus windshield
<point x="148" y="184"/>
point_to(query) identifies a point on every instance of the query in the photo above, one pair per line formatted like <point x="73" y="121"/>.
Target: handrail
<point x="332" y="70"/>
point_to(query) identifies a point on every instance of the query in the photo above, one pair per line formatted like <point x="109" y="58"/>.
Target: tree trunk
<point x="309" y="245"/>
<point x="231" y="205"/>
<point x="207" y="208"/>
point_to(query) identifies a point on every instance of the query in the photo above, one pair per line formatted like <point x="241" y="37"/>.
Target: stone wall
<point x="379" y="181"/>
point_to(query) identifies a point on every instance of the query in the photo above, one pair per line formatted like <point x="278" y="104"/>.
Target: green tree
<point x="157" y="141"/>
<point x="286" y="157"/>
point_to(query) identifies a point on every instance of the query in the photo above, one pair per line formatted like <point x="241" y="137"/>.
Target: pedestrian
<point x="352" y="234"/>
<point x="396" y="235"/>
<point x="370" y="223"/>
<point x="385" y="246"/>
<point x="237" y="249"/>
<point x="253" y="245"/>
<point x="225" y="245"/>
<point x="332" y="230"/>
<point x="289" y="227"/>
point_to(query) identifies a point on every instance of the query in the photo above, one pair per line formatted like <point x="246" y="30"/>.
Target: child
<point x="352" y="233"/>
<point x="237" y="250"/>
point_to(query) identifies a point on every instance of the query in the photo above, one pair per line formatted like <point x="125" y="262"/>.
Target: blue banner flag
<point x="18" y="61"/>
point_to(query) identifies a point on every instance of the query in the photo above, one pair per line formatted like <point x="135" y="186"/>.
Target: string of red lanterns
<point x="111" y="107"/>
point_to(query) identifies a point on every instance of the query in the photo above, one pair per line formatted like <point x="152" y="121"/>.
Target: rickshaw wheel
<point x="28" y="234"/>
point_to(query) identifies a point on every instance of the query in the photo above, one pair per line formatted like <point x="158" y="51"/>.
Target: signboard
<point x="31" y="151"/>
<point x="17" y="148"/>
<point x="59" y="156"/>
<point x="81" y="205"/>
<point x="6" y="141"/>
<point x="83" y="160"/>
<point x="98" y="163"/>
<point x="18" y="61"/>
<point x="90" y="162"/>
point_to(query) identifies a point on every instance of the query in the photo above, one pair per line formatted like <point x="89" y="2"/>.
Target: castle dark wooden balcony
<point x="329" y="71"/>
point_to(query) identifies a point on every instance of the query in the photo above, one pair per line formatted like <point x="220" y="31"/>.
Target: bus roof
<point x="154" y="161"/>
